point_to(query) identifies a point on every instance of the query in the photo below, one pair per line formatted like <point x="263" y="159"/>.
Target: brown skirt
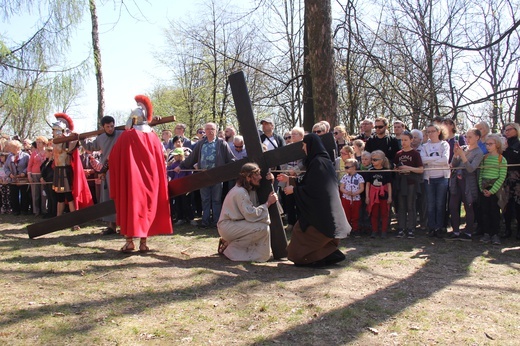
<point x="62" y="179"/>
<point x="309" y="246"/>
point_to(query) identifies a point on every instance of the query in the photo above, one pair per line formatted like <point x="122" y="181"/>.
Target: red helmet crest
<point x="65" y="119"/>
<point x="145" y="103"/>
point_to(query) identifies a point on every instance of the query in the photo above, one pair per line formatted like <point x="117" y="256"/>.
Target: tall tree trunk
<point x="318" y="19"/>
<point x="97" y="61"/>
<point x="308" y="101"/>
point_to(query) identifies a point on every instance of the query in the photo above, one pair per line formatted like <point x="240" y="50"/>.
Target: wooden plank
<point x="206" y="178"/>
<point x="68" y="220"/>
<point x="101" y="131"/>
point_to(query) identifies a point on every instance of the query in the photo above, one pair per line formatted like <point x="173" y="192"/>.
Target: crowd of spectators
<point x="421" y="178"/>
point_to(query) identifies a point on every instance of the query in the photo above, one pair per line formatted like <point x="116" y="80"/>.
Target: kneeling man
<point x="244" y="222"/>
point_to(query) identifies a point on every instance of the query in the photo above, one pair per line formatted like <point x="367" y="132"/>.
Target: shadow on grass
<point x="383" y="305"/>
<point x="445" y="264"/>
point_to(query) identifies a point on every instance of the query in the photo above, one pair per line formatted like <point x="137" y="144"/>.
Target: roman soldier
<point x="69" y="182"/>
<point x="138" y="182"/>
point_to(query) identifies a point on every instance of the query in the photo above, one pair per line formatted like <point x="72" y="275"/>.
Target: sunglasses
<point x="336" y="133"/>
<point x="379" y="127"/>
<point x="375" y="159"/>
<point x="239" y="146"/>
<point x="201" y="132"/>
<point x="347" y="167"/>
<point x="287" y="137"/>
<point x="317" y="131"/>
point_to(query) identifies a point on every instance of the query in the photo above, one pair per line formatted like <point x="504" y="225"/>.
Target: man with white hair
<point x="209" y="152"/>
<point x="238" y="147"/>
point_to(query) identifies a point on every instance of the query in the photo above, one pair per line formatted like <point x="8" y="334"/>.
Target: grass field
<point x="76" y="288"/>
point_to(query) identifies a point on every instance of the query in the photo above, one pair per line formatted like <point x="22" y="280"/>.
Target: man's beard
<point x="110" y="134"/>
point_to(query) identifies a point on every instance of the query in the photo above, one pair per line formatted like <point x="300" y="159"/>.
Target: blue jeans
<point x="436" y="190"/>
<point x="211" y="201"/>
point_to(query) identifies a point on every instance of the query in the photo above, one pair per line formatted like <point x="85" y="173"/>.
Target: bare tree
<point x="499" y="62"/>
<point x="96" y="49"/>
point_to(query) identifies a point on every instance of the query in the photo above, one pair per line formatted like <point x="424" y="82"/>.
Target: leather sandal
<point x="222" y="245"/>
<point x="142" y="246"/>
<point x="128" y="247"/>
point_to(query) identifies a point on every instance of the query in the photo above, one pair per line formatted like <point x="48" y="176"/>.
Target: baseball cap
<point x="266" y="120"/>
<point x="178" y="151"/>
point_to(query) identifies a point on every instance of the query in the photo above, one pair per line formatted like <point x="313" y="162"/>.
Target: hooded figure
<point x="322" y="222"/>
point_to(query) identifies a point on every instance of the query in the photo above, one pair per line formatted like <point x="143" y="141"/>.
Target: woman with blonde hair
<point x="341" y="136"/>
<point x="435" y="158"/>
<point x="33" y="173"/>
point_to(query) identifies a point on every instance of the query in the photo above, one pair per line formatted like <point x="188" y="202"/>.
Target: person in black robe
<point x="322" y="221"/>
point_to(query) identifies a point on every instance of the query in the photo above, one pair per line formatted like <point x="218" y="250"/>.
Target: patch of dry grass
<point x="77" y="288"/>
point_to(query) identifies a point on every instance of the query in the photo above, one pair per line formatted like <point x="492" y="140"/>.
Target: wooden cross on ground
<point x="248" y="128"/>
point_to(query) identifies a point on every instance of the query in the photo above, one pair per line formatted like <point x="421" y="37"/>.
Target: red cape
<point x="80" y="189"/>
<point x="138" y="185"/>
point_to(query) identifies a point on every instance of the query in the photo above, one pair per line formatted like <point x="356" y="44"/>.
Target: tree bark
<point x="308" y="101"/>
<point x="97" y="61"/>
<point x="517" y="110"/>
<point x="318" y="20"/>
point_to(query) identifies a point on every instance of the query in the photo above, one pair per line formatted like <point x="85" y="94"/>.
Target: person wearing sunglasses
<point x="382" y="140"/>
<point x="287" y="137"/>
<point x="238" y="148"/>
<point x="319" y="129"/>
<point x="340" y="136"/>
<point x="200" y="133"/>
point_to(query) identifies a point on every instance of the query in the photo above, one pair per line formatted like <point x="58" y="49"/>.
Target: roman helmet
<point x="142" y="115"/>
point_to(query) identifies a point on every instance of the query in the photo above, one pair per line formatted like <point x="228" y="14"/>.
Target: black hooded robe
<point x="322" y="220"/>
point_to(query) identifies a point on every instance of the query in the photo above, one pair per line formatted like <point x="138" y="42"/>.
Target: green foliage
<point x="34" y="76"/>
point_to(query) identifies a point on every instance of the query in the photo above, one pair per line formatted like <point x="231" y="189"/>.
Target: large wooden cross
<point x="248" y="128"/>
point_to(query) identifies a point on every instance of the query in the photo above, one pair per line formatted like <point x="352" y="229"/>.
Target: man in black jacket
<point x="382" y="140"/>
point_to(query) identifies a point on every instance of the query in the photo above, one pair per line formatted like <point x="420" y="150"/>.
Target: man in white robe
<point x="244" y="222"/>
